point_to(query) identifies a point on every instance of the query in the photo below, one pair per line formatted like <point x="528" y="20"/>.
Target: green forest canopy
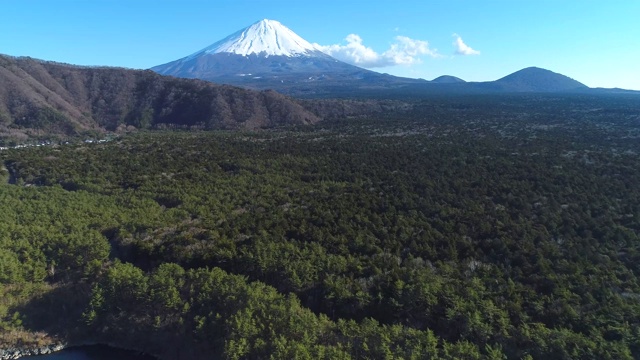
<point x="454" y="232"/>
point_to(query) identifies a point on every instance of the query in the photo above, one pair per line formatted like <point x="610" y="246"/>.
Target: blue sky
<point x="595" y="42"/>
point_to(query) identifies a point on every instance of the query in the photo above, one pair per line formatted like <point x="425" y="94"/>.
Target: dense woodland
<point x="468" y="228"/>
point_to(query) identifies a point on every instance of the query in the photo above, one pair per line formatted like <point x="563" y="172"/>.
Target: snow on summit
<point x="266" y="37"/>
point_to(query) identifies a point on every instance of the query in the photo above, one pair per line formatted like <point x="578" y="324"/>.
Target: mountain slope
<point x="447" y="79"/>
<point x="58" y="98"/>
<point x="533" y="79"/>
<point x="269" y="55"/>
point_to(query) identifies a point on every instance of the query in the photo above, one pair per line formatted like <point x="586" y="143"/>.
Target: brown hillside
<point x="45" y="97"/>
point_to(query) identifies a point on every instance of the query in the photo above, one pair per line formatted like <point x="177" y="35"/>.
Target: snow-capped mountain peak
<point x="265" y="37"/>
<point x="267" y="55"/>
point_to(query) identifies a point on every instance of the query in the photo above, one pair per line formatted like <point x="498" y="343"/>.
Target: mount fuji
<point x="267" y="54"/>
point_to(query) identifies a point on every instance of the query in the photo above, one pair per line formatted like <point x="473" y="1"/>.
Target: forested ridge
<point x="48" y="99"/>
<point x="474" y="228"/>
<point x="41" y="100"/>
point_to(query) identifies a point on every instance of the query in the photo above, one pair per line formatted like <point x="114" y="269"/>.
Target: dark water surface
<point x="93" y="352"/>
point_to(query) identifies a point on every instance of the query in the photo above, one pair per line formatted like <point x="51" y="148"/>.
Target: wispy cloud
<point x="404" y="51"/>
<point x="462" y="48"/>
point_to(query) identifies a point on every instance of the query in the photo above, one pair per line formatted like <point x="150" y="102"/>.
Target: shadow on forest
<point x="57" y="312"/>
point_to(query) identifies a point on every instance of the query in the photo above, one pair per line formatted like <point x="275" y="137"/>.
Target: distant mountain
<point x="39" y="97"/>
<point x="269" y="55"/>
<point x="447" y="79"/>
<point x="529" y="80"/>
<point x="533" y="79"/>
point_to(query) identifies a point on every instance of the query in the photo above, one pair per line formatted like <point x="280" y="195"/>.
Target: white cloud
<point x="404" y="51"/>
<point x="462" y="48"/>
